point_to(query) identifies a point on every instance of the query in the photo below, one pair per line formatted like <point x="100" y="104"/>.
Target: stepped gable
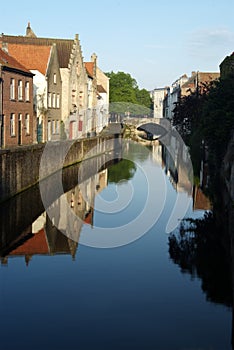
<point x="64" y="46"/>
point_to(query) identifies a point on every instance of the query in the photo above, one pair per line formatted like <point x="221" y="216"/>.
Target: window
<point x="57" y="126"/>
<point x="55" y="78"/>
<point x="12" y="89"/>
<point x="27" y="123"/>
<point x="53" y="127"/>
<point x="58" y="101"/>
<point x="27" y="91"/>
<point x="54" y="101"/>
<point x="12" y="124"/>
<point x="20" y="90"/>
<point x="49" y="100"/>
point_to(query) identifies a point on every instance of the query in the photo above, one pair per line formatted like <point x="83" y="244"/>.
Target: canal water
<point x="94" y="270"/>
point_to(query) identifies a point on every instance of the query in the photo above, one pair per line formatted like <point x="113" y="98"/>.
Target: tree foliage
<point x="205" y="119"/>
<point x="126" y="97"/>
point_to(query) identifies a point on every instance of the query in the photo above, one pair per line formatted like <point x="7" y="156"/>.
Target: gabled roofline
<point x="15" y="70"/>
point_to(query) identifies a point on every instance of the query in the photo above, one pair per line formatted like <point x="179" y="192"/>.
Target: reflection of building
<point x="42" y="238"/>
<point x="174" y="158"/>
<point x="200" y="201"/>
<point x="76" y="207"/>
<point x="176" y="169"/>
<point x="57" y="231"/>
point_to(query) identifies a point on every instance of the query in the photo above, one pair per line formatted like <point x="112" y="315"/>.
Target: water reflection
<point x="200" y="250"/>
<point x="135" y="290"/>
<point x="24" y="222"/>
<point x="27" y="230"/>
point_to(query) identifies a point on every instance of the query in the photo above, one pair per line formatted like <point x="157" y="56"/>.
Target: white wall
<point x="158" y="98"/>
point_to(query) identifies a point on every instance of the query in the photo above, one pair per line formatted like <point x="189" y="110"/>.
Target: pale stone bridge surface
<point x="154" y="126"/>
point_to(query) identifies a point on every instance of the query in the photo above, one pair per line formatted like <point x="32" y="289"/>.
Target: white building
<point x="158" y="96"/>
<point x="173" y="94"/>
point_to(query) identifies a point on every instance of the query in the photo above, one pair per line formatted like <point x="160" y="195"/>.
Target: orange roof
<point x="8" y="61"/>
<point x="89" y="68"/>
<point x="34" y="245"/>
<point x="31" y="56"/>
<point x="64" y="46"/>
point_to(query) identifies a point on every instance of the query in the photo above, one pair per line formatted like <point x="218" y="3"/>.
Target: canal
<point x="95" y="269"/>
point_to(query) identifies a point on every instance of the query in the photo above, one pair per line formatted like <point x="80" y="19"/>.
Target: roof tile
<point x="8" y="61"/>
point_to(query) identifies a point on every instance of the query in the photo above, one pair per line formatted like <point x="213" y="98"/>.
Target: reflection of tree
<point x="199" y="249"/>
<point x="122" y="171"/>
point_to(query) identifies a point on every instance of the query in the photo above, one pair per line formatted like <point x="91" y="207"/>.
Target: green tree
<point x="143" y="98"/>
<point x="126" y="97"/>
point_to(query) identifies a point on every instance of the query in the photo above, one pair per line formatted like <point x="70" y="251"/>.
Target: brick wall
<point x="19" y="108"/>
<point x="19" y="167"/>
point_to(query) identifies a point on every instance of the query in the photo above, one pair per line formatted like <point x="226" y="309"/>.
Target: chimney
<point x="94" y="60"/>
<point x="29" y="32"/>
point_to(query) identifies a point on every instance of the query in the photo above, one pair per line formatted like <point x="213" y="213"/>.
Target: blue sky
<point x="155" y="41"/>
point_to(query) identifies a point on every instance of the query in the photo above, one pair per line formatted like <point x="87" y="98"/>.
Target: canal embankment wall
<point x="23" y="166"/>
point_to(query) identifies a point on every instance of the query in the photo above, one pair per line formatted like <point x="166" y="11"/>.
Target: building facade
<point x="65" y="87"/>
<point x="185" y="85"/>
<point x="17" y="122"/>
<point x="158" y="96"/>
<point x="41" y="58"/>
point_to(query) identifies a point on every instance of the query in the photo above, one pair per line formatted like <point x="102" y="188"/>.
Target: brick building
<point x="17" y="122"/>
<point x="185" y="86"/>
<point x="41" y="58"/>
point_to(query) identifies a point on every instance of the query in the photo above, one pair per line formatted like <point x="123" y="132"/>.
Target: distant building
<point x="227" y="67"/>
<point x="103" y="100"/>
<point x="158" y="96"/>
<point x="91" y="121"/>
<point x="173" y="95"/>
<point x="17" y="123"/>
<point x="197" y="80"/>
<point x="183" y="86"/>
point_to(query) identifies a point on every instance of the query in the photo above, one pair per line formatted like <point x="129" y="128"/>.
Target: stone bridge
<point x="152" y="127"/>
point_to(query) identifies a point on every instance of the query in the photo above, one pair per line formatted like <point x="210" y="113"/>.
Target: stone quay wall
<point x="22" y="167"/>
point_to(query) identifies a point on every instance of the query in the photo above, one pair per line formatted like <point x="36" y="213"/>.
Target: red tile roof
<point x="64" y="46"/>
<point x="89" y="68"/>
<point x="34" y="245"/>
<point x="31" y="56"/>
<point x="8" y="61"/>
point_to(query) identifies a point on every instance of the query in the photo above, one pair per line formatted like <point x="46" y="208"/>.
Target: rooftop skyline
<point x="156" y="42"/>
